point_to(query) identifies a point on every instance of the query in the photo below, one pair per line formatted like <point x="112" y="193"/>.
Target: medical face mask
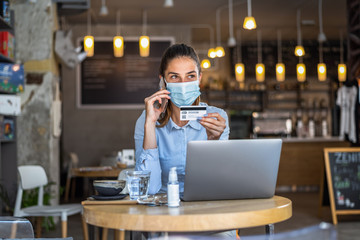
<point x="183" y="93"/>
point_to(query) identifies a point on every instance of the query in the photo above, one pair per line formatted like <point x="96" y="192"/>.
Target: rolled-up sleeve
<point x="147" y="159"/>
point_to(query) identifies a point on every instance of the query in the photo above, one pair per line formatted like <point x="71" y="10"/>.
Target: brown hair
<point x="176" y="51"/>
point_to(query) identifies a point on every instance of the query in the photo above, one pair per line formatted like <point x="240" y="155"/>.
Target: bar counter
<point x="302" y="160"/>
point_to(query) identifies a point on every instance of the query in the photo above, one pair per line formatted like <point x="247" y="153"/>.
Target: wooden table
<point x="90" y="172"/>
<point x="190" y="216"/>
<point x="101" y="171"/>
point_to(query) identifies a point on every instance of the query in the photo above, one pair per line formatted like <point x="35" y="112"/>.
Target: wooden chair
<point x="34" y="176"/>
<point x="73" y="163"/>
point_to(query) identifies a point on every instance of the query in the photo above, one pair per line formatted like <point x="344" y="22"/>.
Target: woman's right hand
<point x="153" y="113"/>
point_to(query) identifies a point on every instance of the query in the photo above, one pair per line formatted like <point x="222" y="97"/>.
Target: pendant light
<point x="220" y="52"/>
<point x="299" y="49"/>
<point x="341" y="65"/>
<point x="88" y="39"/>
<point x="118" y="39"/>
<point x="280" y="67"/>
<point x="321" y="67"/>
<point x="239" y="66"/>
<point x="205" y="63"/>
<point x="144" y="41"/>
<point x="249" y="21"/>
<point x="259" y="68"/>
<point x="103" y="10"/>
<point x="301" y="72"/>
<point x="168" y="4"/>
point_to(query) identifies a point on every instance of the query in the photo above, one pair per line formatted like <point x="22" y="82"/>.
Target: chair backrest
<point x="74" y="161"/>
<point x="32" y="176"/>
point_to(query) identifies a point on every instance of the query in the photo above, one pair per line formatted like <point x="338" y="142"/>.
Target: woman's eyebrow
<point x="172" y="73"/>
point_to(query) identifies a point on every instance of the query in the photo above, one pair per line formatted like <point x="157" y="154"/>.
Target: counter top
<point x="314" y="139"/>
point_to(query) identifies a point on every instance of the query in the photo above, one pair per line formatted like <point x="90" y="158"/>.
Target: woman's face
<point x="182" y="69"/>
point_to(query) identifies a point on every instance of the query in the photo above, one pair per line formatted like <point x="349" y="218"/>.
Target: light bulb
<point x="342" y="72"/>
<point x="299" y="51"/>
<point x="280" y="72"/>
<point x="260" y="72"/>
<point x="301" y="72"/>
<point x="205" y="63"/>
<point x="240" y="72"/>
<point x="89" y="45"/>
<point x="249" y="23"/>
<point x="118" y="46"/>
<point x="220" y="52"/>
<point x="212" y="53"/>
<point x="321" y="71"/>
<point x="144" y="46"/>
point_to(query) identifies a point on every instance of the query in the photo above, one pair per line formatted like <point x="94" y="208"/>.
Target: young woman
<point x="160" y="136"/>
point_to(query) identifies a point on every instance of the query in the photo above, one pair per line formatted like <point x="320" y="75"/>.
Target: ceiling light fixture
<point x="219" y="50"/>
<point x="118" y="40"/>
<point x="249" y="21"/>
<point x="280" y="67"/>
<point x="239" y="66"/>
<point x="89" y="40"/>
<point x="144" y="41"/>
<point x="341" y="65"/>
<point x="321" y="67"/>
<point x="231" y="40"/>
<point x="103" y="10"/>
<point x="299" y="49"/>
<point x="205" y="63"/>
<point x="259" y="67"/>
<point x="168" y="3"/>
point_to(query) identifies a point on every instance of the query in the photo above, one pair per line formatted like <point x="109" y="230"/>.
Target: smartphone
<point x="164" y="101"/>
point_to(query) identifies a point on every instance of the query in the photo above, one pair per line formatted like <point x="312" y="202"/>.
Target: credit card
<point x="192" y="112"/>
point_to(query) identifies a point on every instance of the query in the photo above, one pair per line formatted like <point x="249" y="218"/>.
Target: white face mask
<point x="183" y="93"/>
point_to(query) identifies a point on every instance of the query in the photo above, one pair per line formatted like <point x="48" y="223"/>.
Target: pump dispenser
<point x="173" y="189"/>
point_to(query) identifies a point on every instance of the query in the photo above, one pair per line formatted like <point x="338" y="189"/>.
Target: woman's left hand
<point x="214" y="124"/>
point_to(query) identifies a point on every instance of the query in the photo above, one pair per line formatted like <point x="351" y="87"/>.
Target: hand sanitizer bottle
<point x="173" y="189"/>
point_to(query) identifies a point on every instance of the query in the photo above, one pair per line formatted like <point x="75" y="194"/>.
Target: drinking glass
<point x="138" y="184"/>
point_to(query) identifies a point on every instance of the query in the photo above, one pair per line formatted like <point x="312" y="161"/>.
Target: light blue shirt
<point x="171" y="149"/>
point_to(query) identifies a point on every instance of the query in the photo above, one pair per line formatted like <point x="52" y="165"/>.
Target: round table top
<point x="190" y="216"/>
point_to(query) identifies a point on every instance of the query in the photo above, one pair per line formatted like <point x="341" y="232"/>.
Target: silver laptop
<point x="231" y="169"/>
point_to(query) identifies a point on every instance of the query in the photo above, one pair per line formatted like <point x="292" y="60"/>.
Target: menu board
<point x="106" y="81"/>
<point x="343" y="179"/>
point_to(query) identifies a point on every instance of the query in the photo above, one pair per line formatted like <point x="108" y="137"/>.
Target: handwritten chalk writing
<point x="347" y="157"/>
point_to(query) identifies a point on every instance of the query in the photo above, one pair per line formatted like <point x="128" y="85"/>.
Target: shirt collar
<point x="192" y="123"/>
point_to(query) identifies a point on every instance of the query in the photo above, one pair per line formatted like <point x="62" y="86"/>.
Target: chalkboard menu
<point x="106" y="81"/>
<point x="343" y="178"/>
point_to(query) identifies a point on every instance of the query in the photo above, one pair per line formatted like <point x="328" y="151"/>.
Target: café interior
<point x="280" y="69"/>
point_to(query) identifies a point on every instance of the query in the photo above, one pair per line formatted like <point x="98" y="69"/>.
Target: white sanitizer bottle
<point x="173" y="189"/>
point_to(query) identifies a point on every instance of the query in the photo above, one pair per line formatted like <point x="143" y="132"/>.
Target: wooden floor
<point x="305" y="219"/>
